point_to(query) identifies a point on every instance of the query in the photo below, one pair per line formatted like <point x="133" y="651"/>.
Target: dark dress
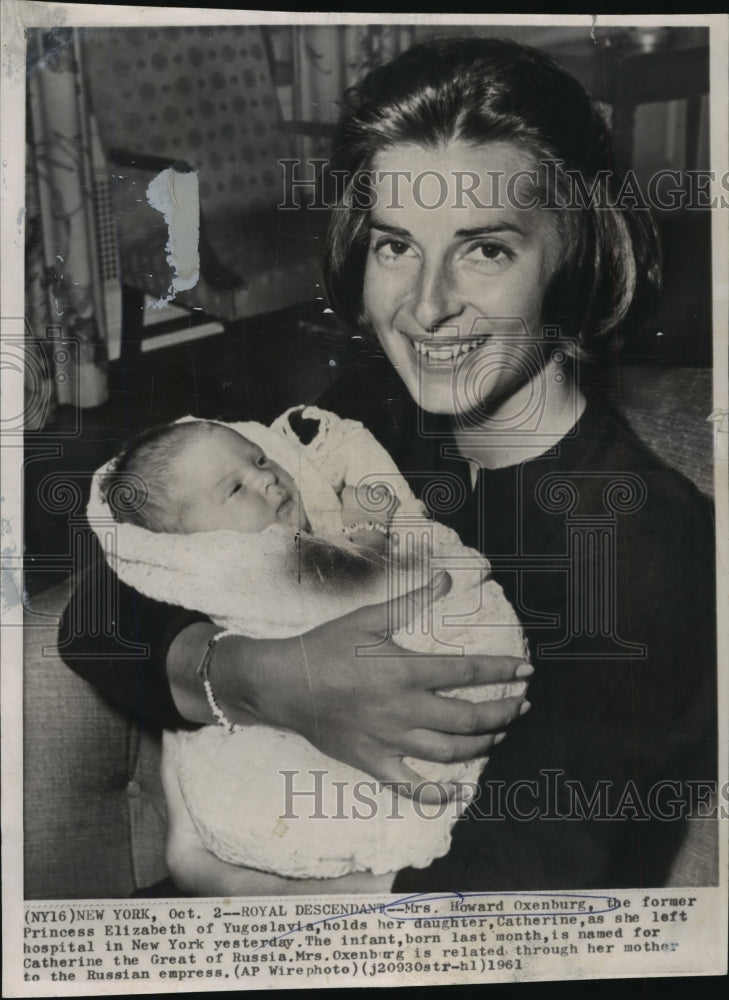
<point x="608" y="557"/>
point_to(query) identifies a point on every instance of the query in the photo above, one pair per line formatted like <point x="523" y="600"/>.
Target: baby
<point x="200" y="476"/>
<point x="271" y="537"/>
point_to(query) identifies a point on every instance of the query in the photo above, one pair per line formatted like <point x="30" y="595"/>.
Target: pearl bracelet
<point x="204" y="671"/>
<point x="366" y="526"/>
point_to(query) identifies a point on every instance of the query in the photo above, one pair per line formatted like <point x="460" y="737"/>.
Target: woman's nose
<point x="436" y="298"/>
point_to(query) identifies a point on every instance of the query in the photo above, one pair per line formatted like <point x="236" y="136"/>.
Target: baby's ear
<point x="305" y="428"/>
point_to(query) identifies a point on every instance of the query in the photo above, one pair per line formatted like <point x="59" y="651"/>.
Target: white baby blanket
<point x="243" y="789"/>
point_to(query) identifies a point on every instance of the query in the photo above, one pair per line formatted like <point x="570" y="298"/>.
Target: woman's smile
<point x="455" y="292"/>
<point x="438" y="351"/>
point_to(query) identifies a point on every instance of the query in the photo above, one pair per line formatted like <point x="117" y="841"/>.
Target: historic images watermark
<point x="550" y="185"/>
<point x="552" y="797"/>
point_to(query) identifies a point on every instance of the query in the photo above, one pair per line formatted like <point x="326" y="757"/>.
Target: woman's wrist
<point x="250" y="680"/>
<point x="240" y="672"/>
<point x="191" y="659"/>
<point x="204" y="670"/>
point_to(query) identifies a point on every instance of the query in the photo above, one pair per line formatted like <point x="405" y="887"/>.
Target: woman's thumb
<point x="406" y="782"/>
<point x="411" y="607"/>
<point x="440" y="584"/>
<point x="407" y="608"/>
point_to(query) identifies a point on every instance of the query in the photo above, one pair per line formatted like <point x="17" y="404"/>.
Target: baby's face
<point x="224" y="481"/>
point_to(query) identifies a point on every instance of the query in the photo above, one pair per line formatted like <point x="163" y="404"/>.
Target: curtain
<point x="328" y="60"/>
<point x="66" y="355"/>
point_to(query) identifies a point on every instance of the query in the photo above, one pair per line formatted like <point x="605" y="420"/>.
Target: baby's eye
<point x="236" y="489"/>
<point x="261" y="461"/>
<point x="489" y="257"/>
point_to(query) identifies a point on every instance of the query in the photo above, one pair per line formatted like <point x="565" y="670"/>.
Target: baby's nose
<point x="270" y="483"/>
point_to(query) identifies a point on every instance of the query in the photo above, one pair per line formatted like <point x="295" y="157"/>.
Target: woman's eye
<point x="489" y="257"/>
<point x="490" y="250"/>
<point x="393" y="252"/>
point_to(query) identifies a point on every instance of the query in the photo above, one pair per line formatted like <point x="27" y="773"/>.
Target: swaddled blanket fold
<point x="265" y="798"/>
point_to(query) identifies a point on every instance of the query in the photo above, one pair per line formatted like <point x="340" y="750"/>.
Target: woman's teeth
<point x="446" y="352"/>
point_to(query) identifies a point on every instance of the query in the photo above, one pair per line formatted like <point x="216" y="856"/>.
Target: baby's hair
<point x="136" y="487"/>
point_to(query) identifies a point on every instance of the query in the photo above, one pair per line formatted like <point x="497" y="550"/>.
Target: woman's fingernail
<point x="499" y="738"/>
<point x="524" y="707"/>
<point x="438" y="578"/>
<point x="524" y="670"/>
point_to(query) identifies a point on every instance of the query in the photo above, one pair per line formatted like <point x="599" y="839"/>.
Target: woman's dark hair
<point x="481" y="90"/>
<point x="137" y="486"/>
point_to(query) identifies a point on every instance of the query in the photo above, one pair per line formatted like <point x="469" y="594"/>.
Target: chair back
<point x="203" y="95"/>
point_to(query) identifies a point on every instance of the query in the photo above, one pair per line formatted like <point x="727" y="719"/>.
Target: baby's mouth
<point x="292" y="503"/>
<point x="289" y="501"/>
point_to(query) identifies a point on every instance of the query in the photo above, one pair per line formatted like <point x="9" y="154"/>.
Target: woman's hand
<point x="356" y="695"/>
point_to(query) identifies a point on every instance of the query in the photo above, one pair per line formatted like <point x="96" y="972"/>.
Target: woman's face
<point x="455" y="292"/>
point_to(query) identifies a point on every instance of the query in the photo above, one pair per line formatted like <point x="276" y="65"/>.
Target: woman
<point x="458" y="244"/>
